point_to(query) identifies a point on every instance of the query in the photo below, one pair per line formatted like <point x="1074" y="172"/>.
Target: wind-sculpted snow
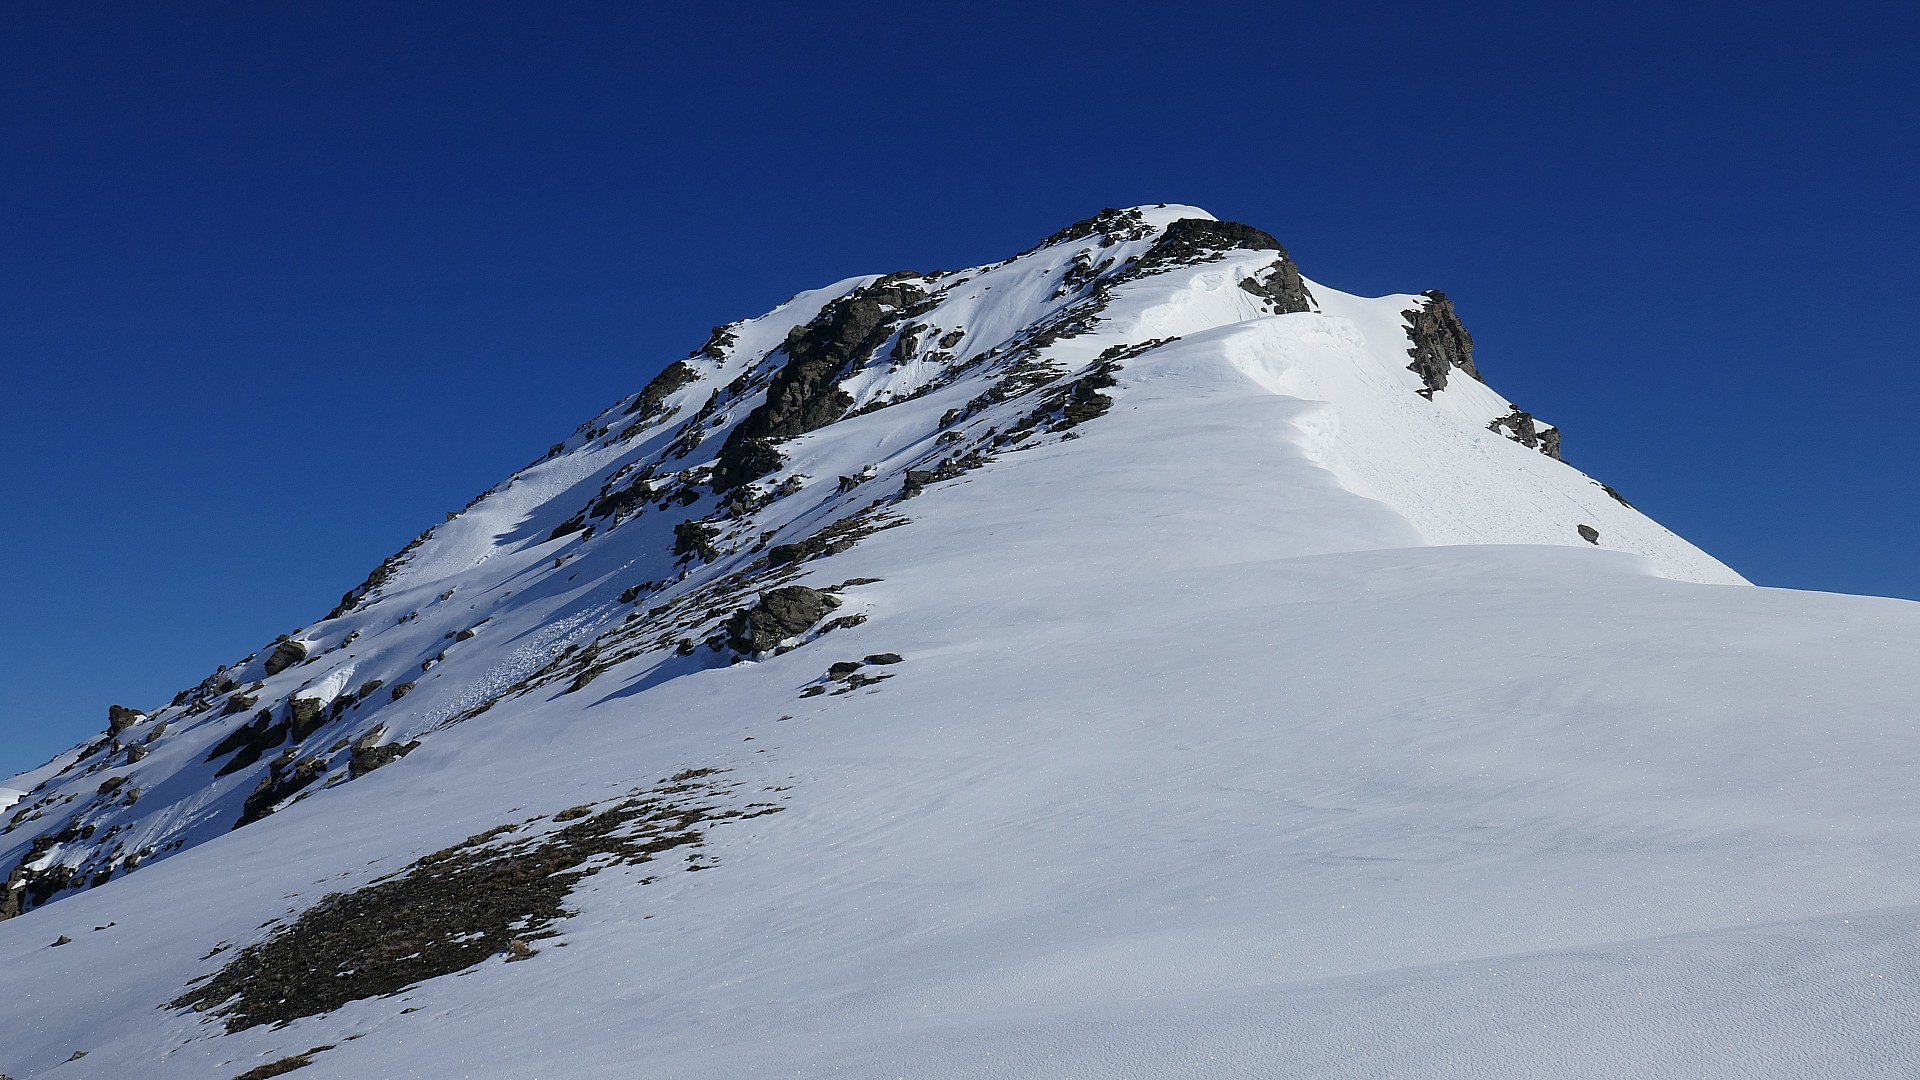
<point x="1160" y="675"/>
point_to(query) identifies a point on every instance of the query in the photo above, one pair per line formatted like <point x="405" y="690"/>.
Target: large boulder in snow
<point x="285" y="655"/>
<point x="120" y="718"/>
<point x="780" y="614"/>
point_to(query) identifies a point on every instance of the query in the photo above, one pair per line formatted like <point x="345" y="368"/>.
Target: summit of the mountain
<point x="1127" y="599"/>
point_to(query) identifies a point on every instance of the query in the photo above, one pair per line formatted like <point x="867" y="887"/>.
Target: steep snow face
<point x="1128" y="655"/>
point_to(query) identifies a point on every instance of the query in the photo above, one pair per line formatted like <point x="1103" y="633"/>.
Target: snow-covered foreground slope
<point x="1264" y="717"/>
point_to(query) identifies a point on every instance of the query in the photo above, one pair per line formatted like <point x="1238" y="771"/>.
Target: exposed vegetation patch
<point x="284" y="1066"/>
<point x="489" y="895"/>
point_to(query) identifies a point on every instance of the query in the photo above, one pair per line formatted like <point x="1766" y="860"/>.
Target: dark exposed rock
<point x="1588" y="533"/>
<point x="238" y="703"/>
<point x="694" y="539"/>
<point x="1440" y="342"/>
<point x="1196" y="240"/>
<point x="380" y="576"/>
<point x="780" y="614"/>
<point x="305" y="715"/>
<point x="285" y="779"/>
<point x="1110" y="224"/>
<point x="831" y="540"/>
<point x="885" y="658"/>
<point x="369" y="756"/>
<point x="843" y="668"/>
<point x="1519" y="426"/>
<point x="948" y="468"/>
<point x="1083" y="399"/>
<point x="805" y="394"/>
<point x="858" y="680"/>
<point x="1616" y="496"/>
<point x="120" y="718"/>
<point x="676" y="376"/>
<point x="248" y="742"/>
<point x="285" y="655"/>
<point x="1281" y="286"/>
<point x="402" y="690"/>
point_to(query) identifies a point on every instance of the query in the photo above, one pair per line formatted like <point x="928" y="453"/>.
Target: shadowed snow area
<point x="1190" y="688"/>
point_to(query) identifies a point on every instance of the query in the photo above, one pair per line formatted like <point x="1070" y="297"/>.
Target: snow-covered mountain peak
<point x="986" y="548"/>
<point x="1154" y="339"/>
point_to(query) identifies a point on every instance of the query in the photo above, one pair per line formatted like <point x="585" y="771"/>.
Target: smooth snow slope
<point x="1277" y="724"/>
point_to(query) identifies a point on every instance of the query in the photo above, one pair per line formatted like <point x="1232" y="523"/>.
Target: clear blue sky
<point x="280" y="283"/>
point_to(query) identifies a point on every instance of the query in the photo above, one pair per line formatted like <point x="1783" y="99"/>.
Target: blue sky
<point x="279" y="284"/>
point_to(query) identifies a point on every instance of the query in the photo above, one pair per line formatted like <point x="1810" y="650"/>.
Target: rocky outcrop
<point x="285" y="778"/>
<point x="1281" y="286"/>
<point x="694" y="540"/>
<point x="664" y="385"/>
<point x="805" y="394"/>
<point x="304" y="716"/>
<point x="1521" y="428"/>
<point x="369" y="754"/>
<point x="248" y="742"/>
<point x="120" y="718"/>
<point x="1440" y="342"/>
<point x="1110" y="225"/>
<point x="780" y="614"/>
<point x="285" y="655"/>
<point x="1197" y="240"/>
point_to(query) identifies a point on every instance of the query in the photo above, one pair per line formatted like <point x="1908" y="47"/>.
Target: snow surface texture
<point x="1277" y="721"/>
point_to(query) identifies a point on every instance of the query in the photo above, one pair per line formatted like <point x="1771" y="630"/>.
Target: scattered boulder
<point x="694" y="539"/>
<point x="885" y="658"/>
<point x="1520" y="427"/>
<point x="284" y="779"/>
<point x="305" y="715"/>
<point x="402" y="690"/>
<point x="120" y="718"/>
<point x="285" y="655"/>
<point x="1588" y="533"/>
<point x="248" y="742"/>
<point x="780" y="614"/>
<point x="367" y="756"/>
<point x="238" y="703"/>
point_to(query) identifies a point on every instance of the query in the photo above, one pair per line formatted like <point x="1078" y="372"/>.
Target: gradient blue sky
<point x="280" y="283"/>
